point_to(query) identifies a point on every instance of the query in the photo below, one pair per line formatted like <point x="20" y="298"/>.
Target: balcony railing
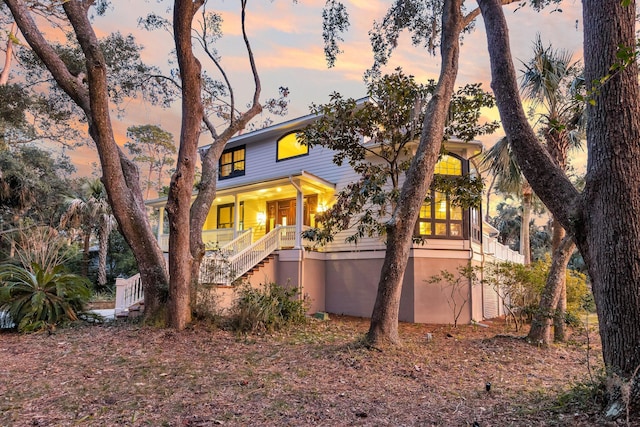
<point x="212" y="239"/>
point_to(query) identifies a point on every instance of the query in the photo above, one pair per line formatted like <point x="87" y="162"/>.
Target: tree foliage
<point x="377" y="138"/>
<point x="32" y="185"/>
<point x="152" y="146"/>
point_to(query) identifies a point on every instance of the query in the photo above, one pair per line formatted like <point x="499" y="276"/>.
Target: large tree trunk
<point x="181" y="189"/>
<point x="609" y="233"/>
<point x="207" y="188"/>
<point x="540" y="332"/>
<point x="605" y="219"/>
<point x="384" y="319"/>
<point x="120" y="176"/>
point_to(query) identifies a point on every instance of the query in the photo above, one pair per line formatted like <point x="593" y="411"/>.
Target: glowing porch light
<point x="261" y="217"/>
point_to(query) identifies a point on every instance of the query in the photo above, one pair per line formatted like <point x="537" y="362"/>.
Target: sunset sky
<point x="287" y="41"/>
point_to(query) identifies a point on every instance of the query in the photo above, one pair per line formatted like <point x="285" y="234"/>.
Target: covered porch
<point x="252" y="210"/>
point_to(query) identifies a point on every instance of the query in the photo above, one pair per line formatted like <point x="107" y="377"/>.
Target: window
<point x="289" y="147"/>
<point x="232" y="163"/>
<point x="225" y="217"/>
<point x="438" y="217"/>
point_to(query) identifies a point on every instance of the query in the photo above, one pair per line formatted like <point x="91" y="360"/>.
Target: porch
<point x="258" y="208"/>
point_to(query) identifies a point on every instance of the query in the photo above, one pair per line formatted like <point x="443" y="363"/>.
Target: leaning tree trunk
<point x="540" y="332"/>
<point x="384" y="319"/>
<point x="207" y="188"/>
<point x="119" y="175"/>
<point x="605" y="219"/>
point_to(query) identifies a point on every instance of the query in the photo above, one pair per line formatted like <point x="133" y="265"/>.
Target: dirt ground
<point x="320" y="374"/>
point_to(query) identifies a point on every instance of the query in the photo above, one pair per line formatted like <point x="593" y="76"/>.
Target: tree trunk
<point x="119" y="175"/>
<point x="540" y="332"/>
<point x="207" y="188"/>
<point x="384" y="319"/>
<point x="525" y="229"/>
<point x="609" y="233"/>
<point x="8" y="56"/>
<point x="85" y="253"/>
<point x="560" y="316"/>
<point x="605" y="219"/>
<point x="181" y="188"/>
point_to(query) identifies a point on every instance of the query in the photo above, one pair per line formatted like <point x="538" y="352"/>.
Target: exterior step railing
<point x="239" y="243"/>
<point x="223" y="268"/>
<point x="128" y="292"/>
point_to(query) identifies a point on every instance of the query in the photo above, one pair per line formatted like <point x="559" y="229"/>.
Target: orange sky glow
<point x="286" y="37"/>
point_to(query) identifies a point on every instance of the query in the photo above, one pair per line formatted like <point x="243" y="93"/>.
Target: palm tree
<point x="550" y="80"/>
<point x="508" y="179"/>
<point x="90" y="212"/>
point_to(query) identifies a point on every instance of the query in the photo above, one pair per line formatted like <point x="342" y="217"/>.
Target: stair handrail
<point x="128" y="292"/>
<point x="243" y="240"/>
<point x="221" y="269"/>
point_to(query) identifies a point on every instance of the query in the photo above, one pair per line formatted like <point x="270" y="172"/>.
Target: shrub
<point x="267" y="309"/>
<point x="38" y="299"/>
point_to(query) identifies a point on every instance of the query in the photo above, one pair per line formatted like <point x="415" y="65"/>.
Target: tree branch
<point x="547" y="179"/>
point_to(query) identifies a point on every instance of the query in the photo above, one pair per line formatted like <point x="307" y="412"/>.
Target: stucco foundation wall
<point x="431" y="301"/>
<point x="267" y="273"/>
<point x="217" y="299"/>
<point x="313" y="272"/>
<point x="351" y="286"/>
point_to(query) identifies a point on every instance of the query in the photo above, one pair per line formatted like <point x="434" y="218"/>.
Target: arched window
<point x="289" y="147"/>
<point x="438" y="217"/>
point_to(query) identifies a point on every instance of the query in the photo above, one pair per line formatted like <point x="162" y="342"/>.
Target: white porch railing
<point x="128" y="292"/>
<point x="211" y="238"/>
<point x="239" y="243"/>
<point x="500" y="252"/>
<point x="221" y="268"/>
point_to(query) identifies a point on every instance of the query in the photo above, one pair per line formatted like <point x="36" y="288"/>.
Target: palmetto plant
<point x="39" y="299"/>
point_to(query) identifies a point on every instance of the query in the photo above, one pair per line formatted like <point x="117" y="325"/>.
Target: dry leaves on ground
<point x="315" y="375"/>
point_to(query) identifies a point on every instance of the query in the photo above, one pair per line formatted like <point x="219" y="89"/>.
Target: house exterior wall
<point x="351" y="282"/>
<point x="314" y="279"/>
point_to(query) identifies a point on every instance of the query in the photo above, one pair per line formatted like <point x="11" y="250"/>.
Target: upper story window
<point x="289" y="147"/>
<point x="439" y="218"/>
<point x="232" y="162"/>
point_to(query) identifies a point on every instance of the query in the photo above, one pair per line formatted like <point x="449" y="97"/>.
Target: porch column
<point x="236" y="215"/>
<point x="299" y="216"/>
<point x="160" y="223"/>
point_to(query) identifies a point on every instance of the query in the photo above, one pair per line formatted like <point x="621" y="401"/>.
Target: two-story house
<point x="270" y="187"/>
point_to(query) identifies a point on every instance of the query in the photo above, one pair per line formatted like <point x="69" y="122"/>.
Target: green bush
<point x="38" y="299"/>
<point x="522" y="286"/>
<point x="270" y="308"/>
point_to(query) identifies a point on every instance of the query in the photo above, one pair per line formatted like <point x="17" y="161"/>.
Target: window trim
<point x="278" y="159"/>
<point x="234" y="172"/>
